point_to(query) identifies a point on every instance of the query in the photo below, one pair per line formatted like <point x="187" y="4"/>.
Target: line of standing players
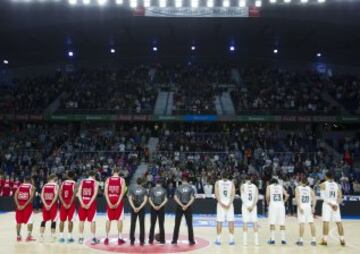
<point x="86" y="192"/>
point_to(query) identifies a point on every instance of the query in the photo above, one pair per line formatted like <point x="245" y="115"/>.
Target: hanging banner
<point x="205" y="12"/>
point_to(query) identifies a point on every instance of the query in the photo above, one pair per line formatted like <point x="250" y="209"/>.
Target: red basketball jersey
<point x="49" y="192"/>
<point x="24" y="193"/>
<point x="67" y="191"/>
<point x="88" y="190"/>
<point x="114" y="188"/>
<point x="16" y="185"/>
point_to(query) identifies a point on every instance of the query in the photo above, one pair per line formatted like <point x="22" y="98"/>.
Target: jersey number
<point x="225" y="193"/>
<point x="277" y="197"/>
<point x="305" y="199"/>
<point x="332" y="194"/>
<point x="250" y="197"/>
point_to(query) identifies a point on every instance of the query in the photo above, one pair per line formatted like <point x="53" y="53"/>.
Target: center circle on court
<point x="181" y="246"/>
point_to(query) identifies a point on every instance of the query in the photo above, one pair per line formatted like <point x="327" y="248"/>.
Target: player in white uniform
<point x="305" y="201"/>
<point x="225" y="194"/>
<point x="275" y="194"/>
<point x="332" y="196"/>
<point x="249" y="197"/>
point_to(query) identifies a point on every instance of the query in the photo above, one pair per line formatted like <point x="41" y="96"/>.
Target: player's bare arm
<point x="56" y="196"/>
<point x="96" y="191"/>
<point x="256" y="199"/>
<point x="190" y="203"/>
<point x="106" y="194"/>
<point x="297" y="200"/>
<point x="123" y="190"/>
<point x="267" y="195"/>
<point x="47" y="208"/>
<point x="61" y="198"/>
<point x="313" y="200"/>
<point x="163" y="203"/>
<point x="80" y="196"/>
<point x="178" y="202"/>
<point x="286" y="195"/>
<point x="16" y="200"/>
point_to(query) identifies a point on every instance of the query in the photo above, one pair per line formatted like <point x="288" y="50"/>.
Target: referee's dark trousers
<point x="134" y="216"/>
<point x="188" y="217"/>
<point x="154" y="216"/>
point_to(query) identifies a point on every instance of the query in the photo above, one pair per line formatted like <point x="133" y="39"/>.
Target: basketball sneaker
<point x="300" y="243"/>
<point x="18" y="238"/>
<point x="323" y="243"/>
<point x="271" y="242"/>
<point x="94" y="241"/>
<point x="71" y="240"/>
<point x="81" y="240"/>
<point x="342" y="242"/>
<point x="106" y="241"/>
<point x="61" y="240"/>
<point x="30" y="239"/>
<point x="121" y="241"/>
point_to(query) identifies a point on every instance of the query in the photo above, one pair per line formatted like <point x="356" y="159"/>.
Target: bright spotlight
<point x="193" y="48"/>
<point x="178" y="3"/>
<point x="318" y="54"/>
<point x="232" y="48"/>
<point x="162" y="3"/>
<point x="210" y="3"/>
<point x="73" y="2"/>
<point x="242" y="3"/>
<point x="155" y="49"/>
<point x="146" y="3"/>
<point x="287" y="1"/>
<point x="273" y="1"/>
<point x="112" y="51"/>
<point x="194" y="3"/>
<point x="275" y="51"/>
<point x="5" y="61"/>
<point x="226" y="3"/>
<point x="133" y="3"/>
<point x="119" y="2"/>
<point x="258" y="3"/>
<point x="86" y="2"/>
<point x="304" y="1"/>
<point x="102" y="2"/>
<point x="70" y="53"/>
<point x="321" y="1"/>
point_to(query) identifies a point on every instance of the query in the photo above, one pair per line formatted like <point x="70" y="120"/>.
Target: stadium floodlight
<point x="194" y="3"/>
<point x="321" y="1"/>
<point x="242" y="3"/>
<point x="287" y="1"/>
<point x="318" y="54"/>
<point x="102" y="2"/>
<point x="193" y="48"/>
<point x="178" y="3"/>
<point x="226" y="3"/>
<point x="155" y="48"/>
<point x="273" y="1"/>
<point x="304" y="1"/>
<point x="5" y="61"/>
<point x="232" y="48"/>
<point x="258" y="3"/>
<point x="275" y="51"/>
<point x="119" y="2"/>
<point x="70" y="53"/>
<point x="210" y="3"/>
<point x="133" y="3"/>
<point x="162" y="3"/>
<point x="86" y="2"/>
<point x="73" y="2"/>
<point x="112" y="51"/>
<point x="147" y="3"/>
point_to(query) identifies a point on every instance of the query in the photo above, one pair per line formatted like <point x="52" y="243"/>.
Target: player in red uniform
<point x="87" y="194"/>
<point x="49" y="197"/>
<point x="23" y="198"/>
<point x="115" y="188"/>
<point x="6" y="189"/>
<point x="16" y="184"/>
<point x="2" y="181"/>
<point x="67" y="195"/>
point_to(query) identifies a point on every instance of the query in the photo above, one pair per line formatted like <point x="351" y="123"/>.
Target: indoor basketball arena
<point x="179" y="126"/>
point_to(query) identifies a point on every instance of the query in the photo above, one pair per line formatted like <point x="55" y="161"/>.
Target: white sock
<point x="82" y="235"/>
<point x="120" y="236"/>
<point x="61" y="235"/>
<point x="107" y="235"/>
<point x="283" y="235"/>
<point x="313" y="239"/>
<point x="256" y="237"/>
<point x="301" y="239"/>
<point x="342" y="238"/>
<point x="70" y="236"/>
<point x="245" y="237"/>
<point x="94" y="235"/>
<point x="231" y="237"/>
<point x="272" y="235"/>
<point x="325" y="238"/>
<point x="218" y="238"/>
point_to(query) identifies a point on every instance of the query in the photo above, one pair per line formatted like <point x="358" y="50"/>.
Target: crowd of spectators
<point x="267" y="90"/>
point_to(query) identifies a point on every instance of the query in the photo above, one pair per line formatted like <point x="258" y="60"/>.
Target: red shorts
<point x="117" y="213"/>
<point x="87" y="214"/>
<point x="24" y="216"/>
<point x="50" y="215"/>
<point x="67" y="214"/>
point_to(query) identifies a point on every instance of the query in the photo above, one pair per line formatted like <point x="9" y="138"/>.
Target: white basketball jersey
<point x="331" y="191"/>
<point x="305" y="195"/>
<point x="248" y="193"/>
<point x="276" y="194"/>
<point x="225" y="189"/>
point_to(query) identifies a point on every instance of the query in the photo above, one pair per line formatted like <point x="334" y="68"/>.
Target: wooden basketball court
<point x="205" y="234"/>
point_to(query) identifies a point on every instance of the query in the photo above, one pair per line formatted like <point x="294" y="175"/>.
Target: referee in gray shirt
<point x="157" y="200"/>
<point x="137" y="200"/>
<point x="184" y="197"/>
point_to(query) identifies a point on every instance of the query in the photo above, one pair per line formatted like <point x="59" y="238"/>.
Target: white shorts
<point x="247" y="216"/>
<point x="277" y="215"/>
<point x="329" y="215"/>
<point x="307" y="216"/>
<point x="223" y="215"/>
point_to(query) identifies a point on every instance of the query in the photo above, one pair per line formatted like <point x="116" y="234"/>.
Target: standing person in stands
<point x="276" y="197"/>
<point x="115" y="188"/>
<point x="157" y="200"/>
<point x="249" y="197"/>
<point x="332" y="196"/>
<point x="67" y="196"/>
<point x="305" y="200"/>
<point x="184" y="197"/>
<point x="87" y="194"/>
<point x="49" y="199"/>
<point x="138" y="198"/>
<point x="23" y="198"/>
<point x="225" y="194"/>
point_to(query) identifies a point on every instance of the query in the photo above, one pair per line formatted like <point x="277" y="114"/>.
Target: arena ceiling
<point x="41" y="34"/>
